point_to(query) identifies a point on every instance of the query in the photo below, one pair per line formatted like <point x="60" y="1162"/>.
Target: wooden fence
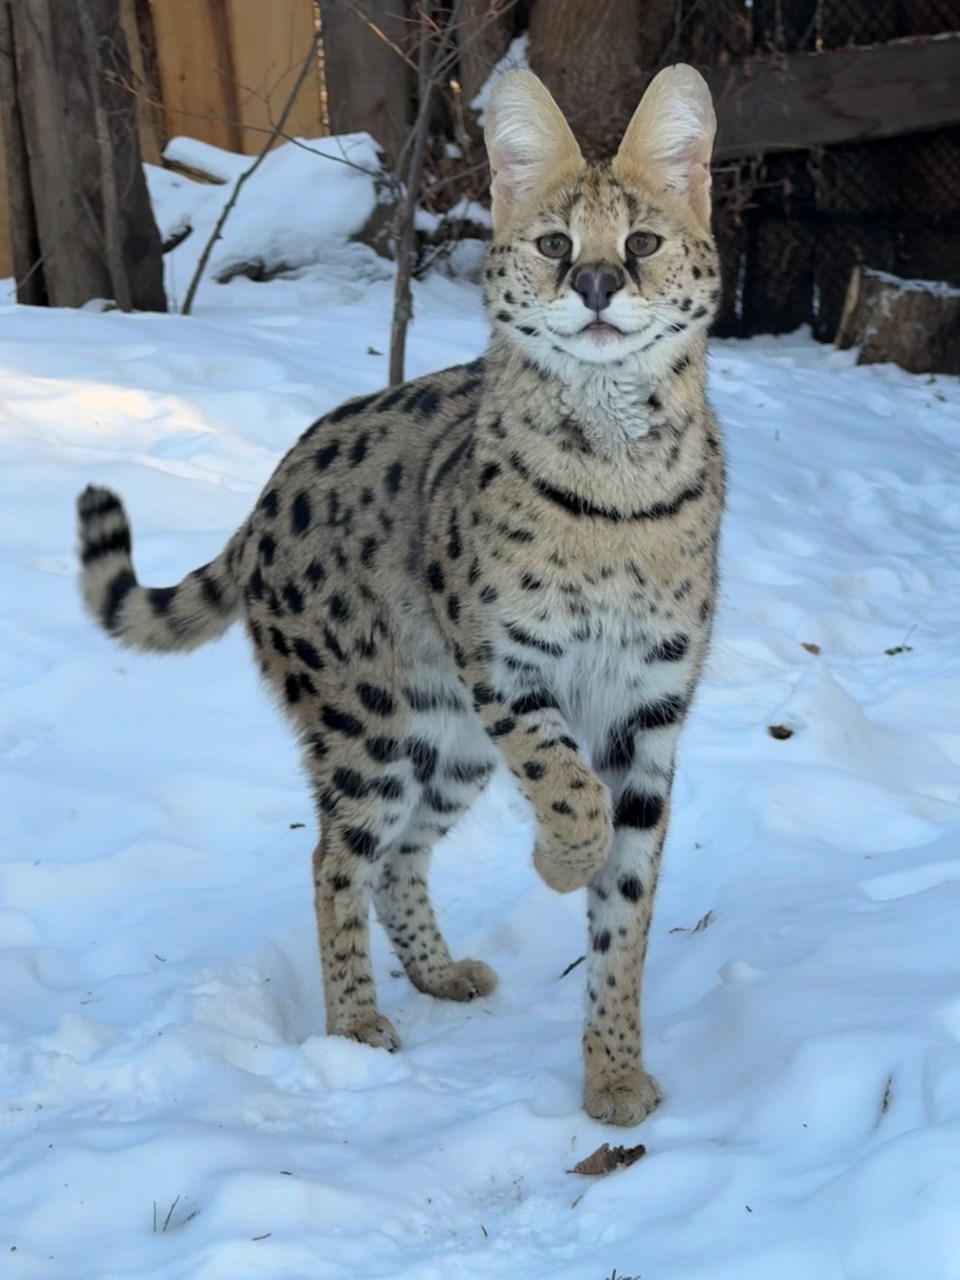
<point x="217" y="70"/>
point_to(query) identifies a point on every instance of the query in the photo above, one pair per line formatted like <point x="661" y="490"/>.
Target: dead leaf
<point x="810" y="648"/>
<point x="780" y="731"/>
<point x="606" y="1158"/>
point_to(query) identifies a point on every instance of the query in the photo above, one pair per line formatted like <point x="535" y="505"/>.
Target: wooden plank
<point x="795" y="101"/>
<point x="150" y="121"/>
<point x="268" y="46"/>
<point x="196" y="74"/>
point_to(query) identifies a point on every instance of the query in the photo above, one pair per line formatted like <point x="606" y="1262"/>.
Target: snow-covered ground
<point x="169" y="1105"/>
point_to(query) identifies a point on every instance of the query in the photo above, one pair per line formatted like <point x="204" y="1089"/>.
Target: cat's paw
<point x="620" y="1097"/>
<point x="576" y="830"/>
<point x="461" y="980"/>
<point x="375" y="1030"/>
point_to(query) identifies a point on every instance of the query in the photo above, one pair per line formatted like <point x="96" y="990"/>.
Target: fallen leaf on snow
<point x="606" y="1158"/>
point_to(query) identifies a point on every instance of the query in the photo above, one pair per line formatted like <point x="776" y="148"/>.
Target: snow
<point x="276" y="225"/>
<point x="170" y="1106"/>
<point x="939" y="288"/>
<point x="516" y="56"/>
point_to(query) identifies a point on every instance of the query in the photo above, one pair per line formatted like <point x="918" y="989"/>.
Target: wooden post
<point x="78" y="177"/>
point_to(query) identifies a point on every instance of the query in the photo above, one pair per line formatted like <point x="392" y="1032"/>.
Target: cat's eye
<point x="640" y="244"/>
<point x="555" y="245"/>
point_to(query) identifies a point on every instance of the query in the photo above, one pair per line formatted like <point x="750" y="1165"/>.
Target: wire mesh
<point x="811" y="216"/>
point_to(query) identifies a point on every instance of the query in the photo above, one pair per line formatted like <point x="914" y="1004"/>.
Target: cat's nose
<point x="597" y="285"/>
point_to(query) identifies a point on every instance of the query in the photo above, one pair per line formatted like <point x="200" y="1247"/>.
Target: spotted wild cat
<point x="514" y="558"/>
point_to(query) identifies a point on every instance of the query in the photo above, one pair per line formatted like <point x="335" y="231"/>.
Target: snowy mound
<point x="306" y="200"/>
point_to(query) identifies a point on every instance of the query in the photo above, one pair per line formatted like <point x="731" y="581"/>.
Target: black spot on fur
<point x="323" y="457"/>
<point x="161" y="598"/>
<point x="270" y="503"/>
<point x="339" y="608"/>
<point x="519" y="635"/>
<point x="390" y="788"/>
<point x="602" y="940"/>
<point x="435" y="577"/>
<point x="534" y="769"/>
<point x="293" y="597"/>
<point x="300" y="514"/>
<point x="308" y="654"/>
<point x="620" y="748"/>
<point x="368" y="551"/>
<point x="672" y="649"/>
<point x="536" y="700"/>
<point x="394" y="477"/>
<point x="638" y="810"/>
<point x="454" y="541"/>
<point x="333" y="644"/>
<point x="279" y="642"/>
<point x="341" y="722"/>
<point x="423" y="756"/>
<point x="267" y="546"/>
<point x="424" y="401"/>
<point x="361" y="842"/>
<point x="315" y="573"/>
<point x="382" y="749"/>
<point x="358" y="450"/>
<point x="392" y="398"/>
<point x="467" y="772"/>
<point x="631" y="887"/>
<point x="350" y="409"/>
<point x="350" y="783"/>
<point x="376" y="699"/>
<point x="449" y="463"/>
<point x="116" y="542"/>
<point x="119" y="587"/>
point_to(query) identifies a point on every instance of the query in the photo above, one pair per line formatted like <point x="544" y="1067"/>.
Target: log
<point x="789" y="102"/>
<point x="913" y="323"/>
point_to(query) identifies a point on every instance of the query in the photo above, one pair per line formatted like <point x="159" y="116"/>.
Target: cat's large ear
<point x="527" y="140"/>
<point x="671" y="136"/>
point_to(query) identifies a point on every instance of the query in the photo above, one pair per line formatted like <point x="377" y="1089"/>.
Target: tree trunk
<point x="22" y="219"/>
<point x="914" y="323"/>
<point x="92" y="228"/>
<point x="482" y="40"/>
<point x="591" y="55"/>
<point x="368" y="69"/>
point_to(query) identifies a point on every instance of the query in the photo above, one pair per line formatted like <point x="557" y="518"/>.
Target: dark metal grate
<point x="892" y="204"/>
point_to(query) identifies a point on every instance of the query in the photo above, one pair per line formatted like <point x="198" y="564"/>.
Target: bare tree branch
<point x="430" y="69"/>
<point x="308" y="63"/>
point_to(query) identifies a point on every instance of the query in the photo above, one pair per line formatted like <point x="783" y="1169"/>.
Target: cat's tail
<point x="155" y="619"/>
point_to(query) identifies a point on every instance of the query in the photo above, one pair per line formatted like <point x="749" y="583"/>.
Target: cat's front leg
<point x="572" y="805"/>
